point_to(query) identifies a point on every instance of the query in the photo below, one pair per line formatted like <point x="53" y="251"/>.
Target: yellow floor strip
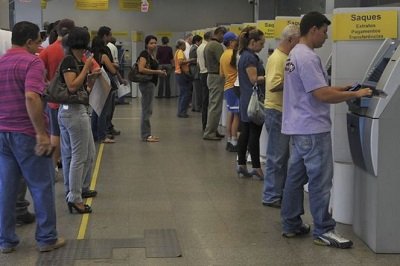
<point x="85" y="217"/>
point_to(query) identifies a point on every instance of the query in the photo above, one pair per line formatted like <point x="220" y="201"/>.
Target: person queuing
<point x="194" y="73"/>
<point x="148" y="64"/>
<point x="228" y="71"/>
<point x="166" y="59"/>
<point x="251" y="72"/>
<point x="182" y="79"/>
<point x="215" y="83"/>
<point x="277" y="143"/>
<point x="25" y="144"/>
<point x="306" y="119"/>
<point x="203" y="78"/>
<point x="77" y="145"/>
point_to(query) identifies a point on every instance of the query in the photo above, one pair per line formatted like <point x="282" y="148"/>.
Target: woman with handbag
<point x="251" y="72"/>
<point x="183" y="78"/>
<point x="148" y="64"/>
<point x="77" y="145"/>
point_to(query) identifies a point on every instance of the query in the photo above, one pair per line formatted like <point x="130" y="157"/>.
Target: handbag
<point x="135" y="76"/>
<point x="57" y="91"/>
<point x="255" y="110"/>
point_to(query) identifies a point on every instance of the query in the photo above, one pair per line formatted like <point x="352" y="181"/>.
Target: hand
<point x="43" y="146"/>
<point x="89" y="62"/>
<point x="163" y="73"/>
<point x="364" y="92"/>
<point x="125" y="82"/>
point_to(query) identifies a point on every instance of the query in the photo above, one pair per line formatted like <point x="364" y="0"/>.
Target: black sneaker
<point x="302" y="230"/>
<point x="275" y="204"/>
<point x="333" y="239"/>
<point x="228" y="146"/>
<point x="115" y="132"/>
<point x="89" y="194"/>
<point x="26" y="218"/>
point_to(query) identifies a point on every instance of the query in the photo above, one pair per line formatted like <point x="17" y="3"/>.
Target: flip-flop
<point x="151" y="139"/>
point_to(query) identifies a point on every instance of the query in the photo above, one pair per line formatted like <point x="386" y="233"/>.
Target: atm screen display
<point x="377" y="73"/>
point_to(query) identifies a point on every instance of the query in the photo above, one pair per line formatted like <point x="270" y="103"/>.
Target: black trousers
<point x="204" y="98"/>
<point x="249" y="138"/>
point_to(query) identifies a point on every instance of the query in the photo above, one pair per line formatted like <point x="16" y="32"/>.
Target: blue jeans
<point x="77" y="149"/>
<point x="147" y="91"/>
<point x="277" y="157"/>
<point x="184" y="96"/>
<point x="99" y="122"/>
<point x="310" y="156"/>
<point x="17" y="157"/>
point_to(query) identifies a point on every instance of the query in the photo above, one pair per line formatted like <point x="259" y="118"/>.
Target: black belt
<point x="215" y="73"/>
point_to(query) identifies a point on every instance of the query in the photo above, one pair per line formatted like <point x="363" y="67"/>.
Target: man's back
<point x="212" y="54"/>
<point x="52" y="57"/>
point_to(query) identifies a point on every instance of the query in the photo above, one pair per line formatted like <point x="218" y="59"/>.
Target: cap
<point x="229" y="36"/>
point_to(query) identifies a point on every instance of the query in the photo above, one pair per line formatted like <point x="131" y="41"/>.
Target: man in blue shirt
<point x="306" y="118"/>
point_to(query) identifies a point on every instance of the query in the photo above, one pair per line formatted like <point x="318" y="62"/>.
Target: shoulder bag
<point x="135" y="76"/>
<point x="255" y="110"/>
<point x="57" y="91"/>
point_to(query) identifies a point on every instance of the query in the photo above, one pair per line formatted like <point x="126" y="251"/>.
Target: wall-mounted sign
<point x="134" y="5"/>
<point x="370" y="25"/>
<point x="91" y="4"/>
<point x="249" y="24"/>
<point x="282" y="22"/>
<point x="236" y="28"/>
<point x="268" y="27"/>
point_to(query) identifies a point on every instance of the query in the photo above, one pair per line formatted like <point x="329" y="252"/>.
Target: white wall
<point x="4" y="22"/>
<point x="164" y="15"/>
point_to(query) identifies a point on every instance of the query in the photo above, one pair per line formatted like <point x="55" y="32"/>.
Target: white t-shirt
<point x="114" y="52"/>
<point x="187" y="50"/>
<point x="200" y="57"/>
<point x="5" y="41"/>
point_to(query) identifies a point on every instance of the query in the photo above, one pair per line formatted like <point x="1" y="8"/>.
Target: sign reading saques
<point x="371" y="25"/>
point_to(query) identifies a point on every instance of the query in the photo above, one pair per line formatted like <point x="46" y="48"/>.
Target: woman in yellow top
<point x="182" y="78"/>
<point x="227" y="69"/>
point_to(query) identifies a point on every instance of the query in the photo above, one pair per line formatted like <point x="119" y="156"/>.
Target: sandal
<point x="151" y="139"/>
<point x="108" y="141"/>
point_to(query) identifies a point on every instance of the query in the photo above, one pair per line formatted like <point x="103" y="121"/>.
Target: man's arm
<point x="339" y="94"/>
<point x="34" y="106"/>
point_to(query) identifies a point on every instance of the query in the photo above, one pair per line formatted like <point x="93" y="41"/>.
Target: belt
<point x="215" y="73"/>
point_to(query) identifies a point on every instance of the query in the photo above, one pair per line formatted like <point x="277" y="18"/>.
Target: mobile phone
<point x="355" y="87"/>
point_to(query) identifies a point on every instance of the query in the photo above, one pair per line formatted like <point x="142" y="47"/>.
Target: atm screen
<point x="377" y="73"/>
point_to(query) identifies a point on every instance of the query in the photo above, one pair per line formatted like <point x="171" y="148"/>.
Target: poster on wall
<point x="267" y="27"/>
<point x="282" y="22"/>
<point x="133" y="5"/>
<point x="91" y="4"/>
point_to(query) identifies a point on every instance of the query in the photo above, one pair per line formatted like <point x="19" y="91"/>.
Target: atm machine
<point x="373" y="126"/>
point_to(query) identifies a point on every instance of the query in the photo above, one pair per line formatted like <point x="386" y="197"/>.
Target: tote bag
<point x="255" y="110"/>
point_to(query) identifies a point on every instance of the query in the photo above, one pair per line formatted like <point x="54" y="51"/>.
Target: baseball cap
<point x="229" y="36"/>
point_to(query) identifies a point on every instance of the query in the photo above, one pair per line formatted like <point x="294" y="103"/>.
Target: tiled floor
<point x="190" y="185"/>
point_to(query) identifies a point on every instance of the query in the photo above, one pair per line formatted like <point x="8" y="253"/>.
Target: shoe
<point x="183" y="115"/>
<point x="302" y="230"/>
<point x="7" y="250"/>
<point x="333" y="239"/>
<point x="257" y="175"/>
<point x="26" y="218"/>
<point x="211" y="138"/>
<point x="276" y="204"/>
<point x="108" y="141"/>
<point x="233" y="148"/>
<point x="115" y="132"/>
<point x="151" y="139"/>
<point x="228" y="146"/>
<point x="218" y="135"/>
<point x="59" y="243"/>
<point x="89" y="194"/>
<point x="242" y="171"/>
<point x="73" y="206"/>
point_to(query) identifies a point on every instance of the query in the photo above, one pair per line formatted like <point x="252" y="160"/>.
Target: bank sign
<point x="371" y="25"/>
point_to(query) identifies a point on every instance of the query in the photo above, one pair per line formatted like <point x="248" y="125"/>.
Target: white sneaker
<point x="333" y="239"/>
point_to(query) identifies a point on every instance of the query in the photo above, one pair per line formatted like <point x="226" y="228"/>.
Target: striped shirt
<point x="20" y="72"/>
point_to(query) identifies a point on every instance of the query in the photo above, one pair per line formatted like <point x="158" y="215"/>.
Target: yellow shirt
<point x="179" y="56"/>
<point x="275" y="71"/>
<point x="226" y="69"/>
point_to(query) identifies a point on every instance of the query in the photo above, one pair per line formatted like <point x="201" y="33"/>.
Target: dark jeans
<point x="164" y="82"/>
<point x="100" y="123"/>
<point x="110" y="115"/>
<point x="184" y="85"/>
<point x="249" y="138"/>
<point x="204" y="99"/>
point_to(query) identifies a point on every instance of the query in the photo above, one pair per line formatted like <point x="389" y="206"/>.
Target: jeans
<point x="215" y="85"/>
<point x="204" y="99"/>
<point x="147" y="91"/>
<point x="249" y="138"/>
<point x="196" y="95"/>
<point x="22" y="203"/>
<point x="184" y="97"/>
<point x="277" y="157"/>
<point x="310" y="160"/>
<point x="164" y="82"/>
<point x="77" y="149"/>
<point x="17" y="158"/>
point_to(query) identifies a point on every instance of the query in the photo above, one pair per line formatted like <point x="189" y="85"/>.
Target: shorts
<point x="53" y="121"/>
<point x="232" y="100"/>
